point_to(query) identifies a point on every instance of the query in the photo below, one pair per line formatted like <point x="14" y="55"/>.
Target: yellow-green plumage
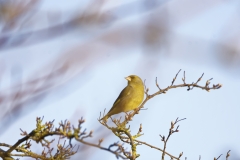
<point x="129" y="99"/>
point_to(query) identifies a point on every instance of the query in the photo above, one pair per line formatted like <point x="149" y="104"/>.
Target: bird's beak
<point x="128" y="79"/>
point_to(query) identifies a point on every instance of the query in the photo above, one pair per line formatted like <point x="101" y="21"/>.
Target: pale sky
<point x="212" y="124"/>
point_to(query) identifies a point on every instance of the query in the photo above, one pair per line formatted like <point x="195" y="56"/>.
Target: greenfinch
<point x="129" y="99"/>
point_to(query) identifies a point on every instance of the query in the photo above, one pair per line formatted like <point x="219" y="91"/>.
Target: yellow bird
<point x="129" y="99"/>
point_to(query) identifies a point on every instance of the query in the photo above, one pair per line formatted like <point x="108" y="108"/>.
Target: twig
<point x="100" y="147"/>
<point x="141" y="142"/>
<point x="171" y="131"/>
<point x="174" y="79"/>
<point x="157" y="84"/>
<point x="218" y="157"/>
<point x="228" y="154"/>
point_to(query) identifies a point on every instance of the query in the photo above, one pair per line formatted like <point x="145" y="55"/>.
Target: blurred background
<point x="68" y="59"/>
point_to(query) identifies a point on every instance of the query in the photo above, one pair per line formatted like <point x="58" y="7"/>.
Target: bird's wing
<point x="125" y="93"/>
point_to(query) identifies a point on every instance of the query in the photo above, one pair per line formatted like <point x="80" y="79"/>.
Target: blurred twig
<point x="98" y="18"/>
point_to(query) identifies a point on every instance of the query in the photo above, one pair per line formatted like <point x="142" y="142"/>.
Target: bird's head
<point x="133" y="79"/>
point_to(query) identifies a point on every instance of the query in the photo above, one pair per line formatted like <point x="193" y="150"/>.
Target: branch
<point x="189" y="86"/>
<point x="123" y="132"/>
<point x="228" y="155"/>
<point x="171" y="131"/>
<point x="149" y="145"/>
<point x="64" y="130"/>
